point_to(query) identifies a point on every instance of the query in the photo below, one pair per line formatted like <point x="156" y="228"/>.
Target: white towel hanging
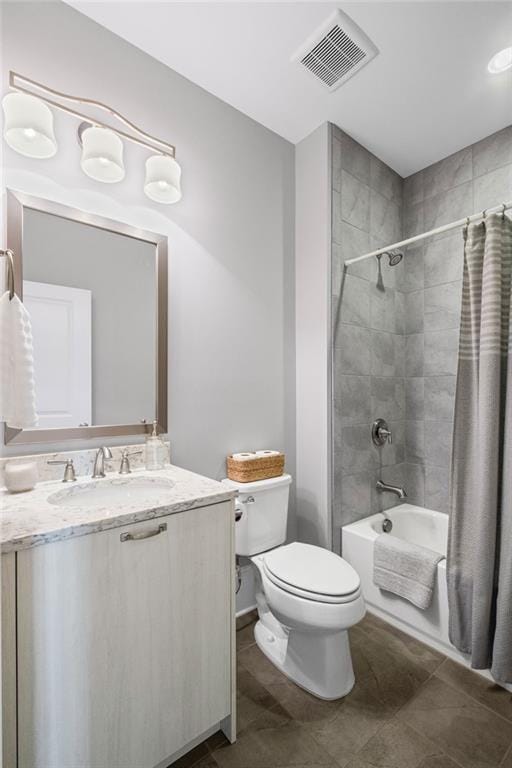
<point x="17" y="386"/>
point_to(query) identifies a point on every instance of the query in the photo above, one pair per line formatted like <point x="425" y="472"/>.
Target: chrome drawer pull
<point x="138" y="536"/>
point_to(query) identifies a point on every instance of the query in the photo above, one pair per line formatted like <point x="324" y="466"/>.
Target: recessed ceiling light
<point x="500" y="61"/>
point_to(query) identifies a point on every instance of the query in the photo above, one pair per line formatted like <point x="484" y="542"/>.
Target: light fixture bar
<point x="18" y="83"/>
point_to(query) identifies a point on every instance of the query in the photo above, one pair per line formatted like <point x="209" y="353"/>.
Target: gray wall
<point x="120" y="273"/>
<point x="368" y="369"/>
<point x="231" y="238"/>
<point x="476" y="177"/>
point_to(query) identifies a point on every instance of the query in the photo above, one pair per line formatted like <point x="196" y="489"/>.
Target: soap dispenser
<point x="156" y="451"/>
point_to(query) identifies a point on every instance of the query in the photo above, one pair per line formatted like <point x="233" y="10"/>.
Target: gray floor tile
<point x="245" y="636"/>
<point x="507" y="762"/>
<point x="199" y="756"/>
<point x="259" y="666"/>
<point x="401" y="644"/>
<point x="485" y="691"/>
<point x="302" y="707"/>
<point x="465" y="730"/>
<point x="410" y="708"/>
<point x="253" y="699"/>
<point x="440" y="761"/>
<point x="386" y="680"/>
<point x="395" y="746"/>
<point x="349" y="730"/>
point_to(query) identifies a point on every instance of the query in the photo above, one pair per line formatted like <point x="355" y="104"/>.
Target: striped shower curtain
<point x="480" y="529"/>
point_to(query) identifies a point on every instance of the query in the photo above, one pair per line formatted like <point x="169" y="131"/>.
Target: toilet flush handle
<point x="238" y="510"/>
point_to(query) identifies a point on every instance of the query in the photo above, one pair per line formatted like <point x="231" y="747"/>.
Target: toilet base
<point x="319" y="663"/>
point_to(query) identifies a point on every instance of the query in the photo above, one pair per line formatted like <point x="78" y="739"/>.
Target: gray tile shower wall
<point x="396" y="329"/>
<point x="470" y="180"/>
<point x="368" y="331"/>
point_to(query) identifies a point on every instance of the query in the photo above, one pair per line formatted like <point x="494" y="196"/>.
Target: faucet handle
<point x="125" y="469"/>
<point x="381" y="432"/>
<point x="69" y="472"/>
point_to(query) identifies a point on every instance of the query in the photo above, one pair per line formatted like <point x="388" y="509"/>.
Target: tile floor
<point x="411" y="707"/>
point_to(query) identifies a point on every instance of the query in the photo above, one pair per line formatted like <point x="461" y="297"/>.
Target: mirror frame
<point x="17" y="203"/>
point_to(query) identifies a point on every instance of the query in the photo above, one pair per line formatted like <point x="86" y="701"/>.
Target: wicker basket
<point x="255" y="469"/>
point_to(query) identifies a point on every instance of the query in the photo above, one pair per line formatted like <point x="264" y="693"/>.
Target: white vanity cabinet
<point x="125" y="642"/>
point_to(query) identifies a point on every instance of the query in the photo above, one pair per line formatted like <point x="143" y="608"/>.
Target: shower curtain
<point x="480" y="529"/>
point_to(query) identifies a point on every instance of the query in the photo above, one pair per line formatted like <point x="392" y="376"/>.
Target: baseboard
<point x="244" y="611"/>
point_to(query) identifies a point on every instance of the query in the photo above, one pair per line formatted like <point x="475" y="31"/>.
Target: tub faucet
<point x="99" y="463"/>
<point x="383" y="487"/>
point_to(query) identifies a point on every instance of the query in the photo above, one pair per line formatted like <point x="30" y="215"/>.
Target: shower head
<point x="395" y="257"/>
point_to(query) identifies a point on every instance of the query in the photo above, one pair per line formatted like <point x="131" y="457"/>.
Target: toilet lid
<point x="312" y="570"/>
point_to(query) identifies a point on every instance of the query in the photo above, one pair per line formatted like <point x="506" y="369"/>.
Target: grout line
<point x="477" y="701"/>
<point x="507" y="754"/>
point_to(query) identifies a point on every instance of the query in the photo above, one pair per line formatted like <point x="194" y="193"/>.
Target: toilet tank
<point x="263" y="510"/>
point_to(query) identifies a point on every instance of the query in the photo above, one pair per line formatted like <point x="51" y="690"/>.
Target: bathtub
<point x="419" y="526"/>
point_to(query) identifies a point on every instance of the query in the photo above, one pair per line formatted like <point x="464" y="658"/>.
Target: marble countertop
<point x="28" y="519"/>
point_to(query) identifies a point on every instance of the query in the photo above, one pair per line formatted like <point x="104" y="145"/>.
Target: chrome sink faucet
<point x="99" y="463"/>
<point x="69" y="471"/>
<point x="383" y="487"/>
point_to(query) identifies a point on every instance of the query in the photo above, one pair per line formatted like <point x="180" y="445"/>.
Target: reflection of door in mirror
<point x="91" y="293"/>
<point x="61" y="328"/>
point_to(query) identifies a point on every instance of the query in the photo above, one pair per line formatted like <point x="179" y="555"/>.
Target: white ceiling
<point x="426" y="94"/>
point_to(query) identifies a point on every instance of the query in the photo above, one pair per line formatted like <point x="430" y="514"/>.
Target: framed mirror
<point x="96" y="291"/>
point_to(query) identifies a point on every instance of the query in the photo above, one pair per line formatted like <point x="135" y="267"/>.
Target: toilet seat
<point x="312" y="573"/>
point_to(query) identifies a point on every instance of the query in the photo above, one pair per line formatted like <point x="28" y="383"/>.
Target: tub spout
<point x="383" y="487"/>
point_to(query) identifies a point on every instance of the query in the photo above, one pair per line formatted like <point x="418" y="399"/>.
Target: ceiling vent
<point x="336" y="51"/>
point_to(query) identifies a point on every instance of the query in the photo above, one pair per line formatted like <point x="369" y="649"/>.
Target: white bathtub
<point x="419" y="526"/>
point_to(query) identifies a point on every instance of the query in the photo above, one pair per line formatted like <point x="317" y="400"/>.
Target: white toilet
<point x="308" y="598"/>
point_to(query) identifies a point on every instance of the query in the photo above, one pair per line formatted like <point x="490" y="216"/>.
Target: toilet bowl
<point x="307" y="596"/>
<point x="302" y="626"/>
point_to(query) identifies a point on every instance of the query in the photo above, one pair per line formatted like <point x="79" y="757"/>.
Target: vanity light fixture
<point x="29" y="131"/>
<point x="102" y="154"/>
<point x="162" y="179"/>
<point x="28" y="126"/>
<point x="501" y="61"/>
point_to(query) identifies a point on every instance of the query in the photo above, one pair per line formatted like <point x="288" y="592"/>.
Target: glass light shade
<point x="163" y="176"/>
<point x="102" y="155"/>
<point x="28" y="125"/>
<point x="500" y="61"/>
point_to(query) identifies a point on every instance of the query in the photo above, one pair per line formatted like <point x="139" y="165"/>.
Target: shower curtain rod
<point x="454" y="224"/>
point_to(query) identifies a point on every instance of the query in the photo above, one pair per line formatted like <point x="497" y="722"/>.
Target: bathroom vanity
<point x="117" y="620"/>
<point x="117" y="592"/>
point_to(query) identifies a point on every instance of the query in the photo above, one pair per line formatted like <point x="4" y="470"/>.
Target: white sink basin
<point x="115" y="493"/>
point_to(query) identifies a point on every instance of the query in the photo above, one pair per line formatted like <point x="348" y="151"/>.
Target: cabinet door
<point x="124" y="646"/>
